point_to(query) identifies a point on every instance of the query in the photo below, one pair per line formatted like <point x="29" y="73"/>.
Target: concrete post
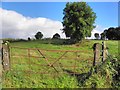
<point x="6" y="58"/>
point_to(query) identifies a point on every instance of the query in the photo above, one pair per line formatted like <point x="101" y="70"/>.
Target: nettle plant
<point x="116" y="77"/>
<point x="105" y="75"/>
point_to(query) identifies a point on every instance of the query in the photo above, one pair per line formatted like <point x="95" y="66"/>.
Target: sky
<point x="119" y="14"/>
<point x="23" y="19"/>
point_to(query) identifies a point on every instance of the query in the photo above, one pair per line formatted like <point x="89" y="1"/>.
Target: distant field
<point x="18" y="78"/>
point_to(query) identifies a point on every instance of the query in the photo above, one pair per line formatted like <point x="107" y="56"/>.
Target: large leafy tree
<point x="38" y="35"/>
<point x="78" y="20"/>
<point x="117" y="33"/>
<point x="110" y="33"/>
<point x="113" y="33"/>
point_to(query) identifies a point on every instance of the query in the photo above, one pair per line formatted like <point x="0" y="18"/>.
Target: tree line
<point x="39" y="35"/>
<point x="110" y="34"/>
<point x="78" y="23"/>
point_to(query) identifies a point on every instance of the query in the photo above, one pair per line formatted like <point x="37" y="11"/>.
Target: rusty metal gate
<point x="43" y="61"/>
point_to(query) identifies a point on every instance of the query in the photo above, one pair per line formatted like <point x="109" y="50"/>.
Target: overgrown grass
<point x="105" y="75"/>
<point x="18" y="77"/>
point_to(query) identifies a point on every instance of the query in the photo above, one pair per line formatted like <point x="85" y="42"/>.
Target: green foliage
<point x="29" y="39"/>
<point x="20" y="79"/>
<point x="116" y="77"/>
<point x="56" y="36"/>
<point x="112" y="33"/>
<point x="78" y="20"/>
<point x="96" y="35"/>
<point x="104" y="75"/>
<point x="102" y="36"/>
<point x="13" y="40"/>
<point x="38" y="35"/>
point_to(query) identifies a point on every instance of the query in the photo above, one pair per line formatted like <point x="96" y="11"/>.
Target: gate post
<point x="104" y="51"/>
<point x="96" y="52"/>
<point x="5" y="57"/>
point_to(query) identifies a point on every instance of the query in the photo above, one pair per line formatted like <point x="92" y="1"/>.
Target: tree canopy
<point x="102" y="36"/>
<point x="96" y="35"/>
<point x="38" y="35"/>
<point x="29" y="38"/>
<point x="78" y="20"/>
<point x="56" y="36"/>
<point x="112" y="33"/>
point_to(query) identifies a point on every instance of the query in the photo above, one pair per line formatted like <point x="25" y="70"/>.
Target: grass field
<point x="26" y="73"/>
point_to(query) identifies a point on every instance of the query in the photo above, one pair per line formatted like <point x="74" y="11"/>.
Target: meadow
<point x="31" y="72"/>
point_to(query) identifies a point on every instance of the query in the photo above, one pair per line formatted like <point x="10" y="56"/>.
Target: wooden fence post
<point x="5" y="57"/>
<point x="104" y="51"/>
<point x="96" y="50"/>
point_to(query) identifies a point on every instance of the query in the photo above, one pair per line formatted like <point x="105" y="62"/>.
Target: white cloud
<point x="15" y="25"/>
<point x="99" y="29"/>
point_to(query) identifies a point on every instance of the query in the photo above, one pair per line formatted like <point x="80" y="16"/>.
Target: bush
<point x="105" y="75"/>
<point x="56" y="36"/>
<point x="29" y="39"/>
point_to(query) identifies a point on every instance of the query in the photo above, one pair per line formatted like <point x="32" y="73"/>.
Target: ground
<point x="17" y="78"/>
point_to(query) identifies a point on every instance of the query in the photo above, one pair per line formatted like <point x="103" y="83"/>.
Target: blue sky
<point x="119" y="14"/>
<point x="49" y="10"/>
<point x="107" y="12"/>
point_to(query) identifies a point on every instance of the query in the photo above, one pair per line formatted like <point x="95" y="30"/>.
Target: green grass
<point x="19" y="77"/>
